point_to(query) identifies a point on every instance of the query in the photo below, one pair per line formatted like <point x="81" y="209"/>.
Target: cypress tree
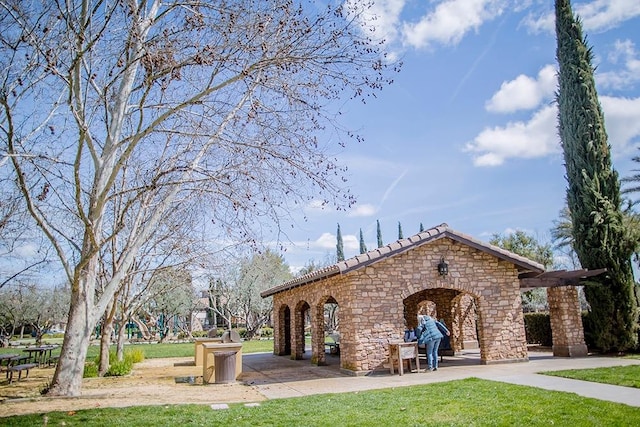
<point x="400" y="236"/>
<point x="421" y="228"/>
<point x="380" y="244"/>
<point x="339" y="245"/>
<point x="593" y="193"/>
<point x="363" y="247"/>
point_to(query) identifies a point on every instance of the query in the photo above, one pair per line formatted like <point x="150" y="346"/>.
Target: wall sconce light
<point x="443" y="267"/>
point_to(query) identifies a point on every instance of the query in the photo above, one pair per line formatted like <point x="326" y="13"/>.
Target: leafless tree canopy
<point x="115" y="113"/>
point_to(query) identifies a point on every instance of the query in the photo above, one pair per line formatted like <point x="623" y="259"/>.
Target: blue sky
<point x="467" y="133"/>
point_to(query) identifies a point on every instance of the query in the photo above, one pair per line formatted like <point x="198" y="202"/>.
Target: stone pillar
<point x="278" y="327"/>
<point x="318" y="356"/>
<point x="502" y="324"/>
<point x="297" y="332"/>
<point x="566" y="322"/>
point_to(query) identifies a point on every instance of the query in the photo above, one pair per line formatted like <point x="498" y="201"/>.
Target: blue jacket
<point x="428" y="331"/>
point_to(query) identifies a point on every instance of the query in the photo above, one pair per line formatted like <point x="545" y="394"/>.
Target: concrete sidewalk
<point x="280" y="377"/>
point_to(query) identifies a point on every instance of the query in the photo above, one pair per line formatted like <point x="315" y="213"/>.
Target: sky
<point x="467" y="133"/>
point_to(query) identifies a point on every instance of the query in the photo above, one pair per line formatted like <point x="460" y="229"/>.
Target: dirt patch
<point x="152" y="382"/>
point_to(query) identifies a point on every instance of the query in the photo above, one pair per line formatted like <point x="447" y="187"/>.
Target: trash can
<point x="225" y="366"/>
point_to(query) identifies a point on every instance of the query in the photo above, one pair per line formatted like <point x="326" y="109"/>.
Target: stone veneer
<point x="566" y="322"/>
<point x="377" y="302"/>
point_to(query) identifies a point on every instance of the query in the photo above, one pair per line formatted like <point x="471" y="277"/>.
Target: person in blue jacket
<point x="431" y="336"/>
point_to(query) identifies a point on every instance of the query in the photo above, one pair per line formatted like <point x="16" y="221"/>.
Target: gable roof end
<point x="403" y="245"/>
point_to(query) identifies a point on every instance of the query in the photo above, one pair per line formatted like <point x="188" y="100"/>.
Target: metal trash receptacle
<point x="225" y="366"/>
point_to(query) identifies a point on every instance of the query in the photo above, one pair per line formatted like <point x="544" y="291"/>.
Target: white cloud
<point x="622" y="121"/>
<point x="538" y="137"/>
<point x="624" y="51"/>
<point x="329" y="241"/>
<point x="450" y="21"/>
<point x="386" y="15"/>
<point x="598" y="15"/>
<point x="524" y="92"/>
<point x="325" y="241"/>
<point x="535" y="138"/>
<point x="362" y="210"/>
<point x="605" y="14"/>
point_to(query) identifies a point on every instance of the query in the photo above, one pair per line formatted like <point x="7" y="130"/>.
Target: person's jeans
<point x="432" y="353"/>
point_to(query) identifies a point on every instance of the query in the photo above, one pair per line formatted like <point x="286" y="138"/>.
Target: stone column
<point x="318" y="356"/>
<point x="566" y="322"/>
<point x="297" y="332"/>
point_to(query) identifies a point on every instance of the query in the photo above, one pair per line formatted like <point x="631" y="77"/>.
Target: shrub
<point x="537" y="327"/>
<point x="266" y="332"/>
<point x="242" y="332"/>
<point x="119" y="368"/>
<point x="90" y="370"/>
<point x="200" y="334"/>
<point x="136" y="355"/>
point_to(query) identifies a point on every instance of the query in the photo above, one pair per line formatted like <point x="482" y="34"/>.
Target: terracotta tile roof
<point x="400" y="246"/>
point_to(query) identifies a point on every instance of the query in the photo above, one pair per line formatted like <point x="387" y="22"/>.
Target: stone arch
<point x="302" y="313"/>
<point x="455" y="308"/>
<point x="320" y="328"/>
<point x="282" y="339"/>
<point x="465" y="322"/>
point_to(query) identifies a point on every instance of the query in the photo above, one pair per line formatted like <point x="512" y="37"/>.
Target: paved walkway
<point x="280" y="377"/>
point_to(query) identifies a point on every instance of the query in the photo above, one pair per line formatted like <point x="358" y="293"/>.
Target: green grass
<point x="466" y="402"/>
<point x="628" y="376"/>
<point x="156" y="351"/>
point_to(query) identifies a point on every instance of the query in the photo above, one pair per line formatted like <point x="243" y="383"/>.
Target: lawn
<point x="628" y="376"/>
<point x="155" y="351"/>
<point x="464" y="402"/>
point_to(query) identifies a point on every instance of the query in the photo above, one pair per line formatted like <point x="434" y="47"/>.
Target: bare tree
<point x="224" y="101"/>
<point x="261" y="271"/>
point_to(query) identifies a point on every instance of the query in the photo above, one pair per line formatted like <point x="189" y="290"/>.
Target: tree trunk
<point x="67" y="379"/>
<point x="105" y="343"/>
<point x="122" y="330"/>
<point x="105" y="339"/>
<point x="143" y="329"/>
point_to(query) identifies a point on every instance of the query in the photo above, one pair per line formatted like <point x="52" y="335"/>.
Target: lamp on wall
<point x="443" y="267"/>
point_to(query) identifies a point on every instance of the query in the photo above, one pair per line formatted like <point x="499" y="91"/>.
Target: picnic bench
<point x="334" y="347"/>
<point x="19" y="369"/>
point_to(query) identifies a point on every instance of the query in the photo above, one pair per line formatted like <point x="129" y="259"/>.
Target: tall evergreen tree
<point x="339" y="245"/>
<point x="421" y="228"/>
<point x="400" y="235"/>
<point x="363" y="246"/>
<point x="593" y="194"/>
<point x="379" y="233"/>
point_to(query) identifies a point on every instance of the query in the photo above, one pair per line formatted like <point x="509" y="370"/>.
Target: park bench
<point x="19" y="369"/>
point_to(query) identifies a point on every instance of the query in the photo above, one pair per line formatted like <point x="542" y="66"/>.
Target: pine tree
<point x="380" y="244"/>
<point x="593" y="193"/>
<point x="400" y="236"/>
<point x="339" y="245"/>
<point x="363" y="247"/>
<point x="421" y="228"/>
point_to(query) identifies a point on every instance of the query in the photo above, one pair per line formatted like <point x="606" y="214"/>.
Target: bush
<point x="266" y="332"/>
<point x="119" y="368"/>
<point x="135" y="355"/>
<point x="537" y="327"/>
<point x="90" y="370"/>
<point x="200" y="334"/>
<point x="242" y="332"/>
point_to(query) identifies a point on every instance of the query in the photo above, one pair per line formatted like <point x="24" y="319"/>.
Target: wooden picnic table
<point x="7" y="357"/>
<point x="40" y="355"/>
